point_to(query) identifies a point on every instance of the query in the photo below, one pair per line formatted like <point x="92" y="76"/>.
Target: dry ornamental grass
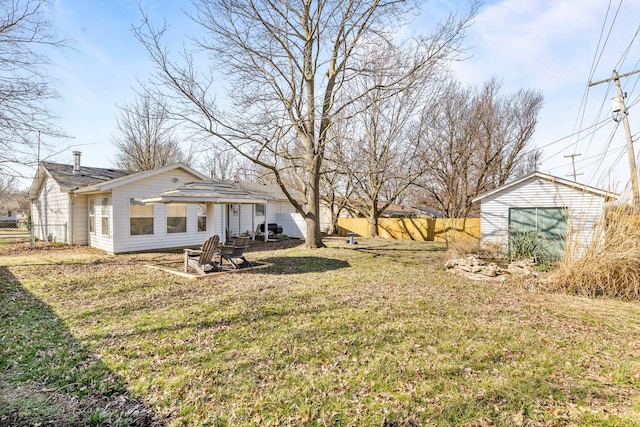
<point x="610" y="266"/>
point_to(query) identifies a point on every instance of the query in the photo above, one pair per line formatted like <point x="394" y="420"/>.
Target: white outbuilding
<point x="561" y="211"/>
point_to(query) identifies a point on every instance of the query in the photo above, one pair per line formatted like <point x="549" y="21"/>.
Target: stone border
<point x="212" y="273"/>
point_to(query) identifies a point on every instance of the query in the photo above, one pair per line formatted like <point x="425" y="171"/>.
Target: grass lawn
<point x="371" y="334"/>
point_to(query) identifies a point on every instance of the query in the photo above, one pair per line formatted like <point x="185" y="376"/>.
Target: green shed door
<point x="551" y="224"/>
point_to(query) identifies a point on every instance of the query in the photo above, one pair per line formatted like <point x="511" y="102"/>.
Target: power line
<point x="622" y="109"/>
<point x="628" y="49"/>
<point x="595" y="127"/>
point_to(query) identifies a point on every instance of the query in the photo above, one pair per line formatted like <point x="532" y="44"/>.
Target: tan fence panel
<point x="422" y="229"/>
<point x="457" y="229"/>
<point x="360" y="226"/>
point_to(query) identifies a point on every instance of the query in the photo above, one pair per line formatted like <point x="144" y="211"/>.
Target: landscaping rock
<point x="475" y="267"/>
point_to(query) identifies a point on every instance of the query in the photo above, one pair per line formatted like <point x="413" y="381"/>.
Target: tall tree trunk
<point x="314" y="236"/>
<point x="373" y="225"/>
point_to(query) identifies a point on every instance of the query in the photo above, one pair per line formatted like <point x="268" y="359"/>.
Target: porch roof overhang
<point x="208" y="192"/>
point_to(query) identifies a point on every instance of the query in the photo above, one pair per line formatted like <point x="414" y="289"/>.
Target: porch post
<point x="266" y="230"/>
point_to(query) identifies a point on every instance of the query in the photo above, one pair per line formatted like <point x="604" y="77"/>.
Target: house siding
<point x="50" y="212"/>
<point x="278" y="207"/>
<point x="584" y="210"/>
<point x="80" y="233"/>
<point x="6" y="217"/>
<point x="219" y="220"/>
<point x="98" y="239"/>
<point x="122" y="241"/>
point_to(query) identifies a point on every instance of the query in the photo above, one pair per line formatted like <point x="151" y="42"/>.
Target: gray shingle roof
<point x="209" y="191"/>
<point x="64" y="176"/>
<point x="273" y="190"/>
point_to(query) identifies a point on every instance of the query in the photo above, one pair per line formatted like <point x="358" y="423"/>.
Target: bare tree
<point x="335" y="189"/>
<point x="385" y="153"/>
<point x="478" y="141"/>
<point x="147" y="139"/>
<point x="220" y="163"/>
<point x="226" y="164"/>
<point x="7" y="192"/>
<point x="286" y="63"/>
<point x="26" y="35"/>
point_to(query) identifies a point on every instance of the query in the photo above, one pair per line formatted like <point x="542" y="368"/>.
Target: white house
<point x="247" y="206"/>
<point x="561" y="210"/>
<point x="9" y="217"/>
<point x="9" y="211"/>
<point x="107" y="209"/>
<point x="279" y="209"/>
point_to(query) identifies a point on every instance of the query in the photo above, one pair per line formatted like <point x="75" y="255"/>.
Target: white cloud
<point x="550" y="46"/>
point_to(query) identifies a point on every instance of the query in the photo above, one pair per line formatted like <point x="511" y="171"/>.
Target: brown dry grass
<point x="371" y="334"/>
<point x="610" y="266"/>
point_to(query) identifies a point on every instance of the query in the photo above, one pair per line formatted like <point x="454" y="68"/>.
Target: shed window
<point x="140" y="218"/>
<point x="260" y="210"/>
<point x="176" y="218"/>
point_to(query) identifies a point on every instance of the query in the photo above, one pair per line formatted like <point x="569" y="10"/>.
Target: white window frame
<point x="104" y="214"/>
<point x="152" y="216"/>
<point x="92" y="215"/>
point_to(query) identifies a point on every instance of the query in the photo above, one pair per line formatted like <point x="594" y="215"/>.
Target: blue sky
<point x="548" y="45"/>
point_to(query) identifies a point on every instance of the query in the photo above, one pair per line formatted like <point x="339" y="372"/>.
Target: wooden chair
<point x="235" y="252"/>
<point x="199" y="259"/>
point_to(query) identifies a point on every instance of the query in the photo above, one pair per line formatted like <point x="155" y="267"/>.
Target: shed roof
<point x="132" y="177"/>
<point x="550" y="178"/>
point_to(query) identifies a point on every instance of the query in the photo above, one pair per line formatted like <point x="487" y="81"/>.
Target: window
<point x="105" y="216"/>
<point x="140" y="218"/>
<point x="92" y="215"/>
<point x="202" y="217"/>
<point x="259" y="210"/>
<point x="176" y="218"/>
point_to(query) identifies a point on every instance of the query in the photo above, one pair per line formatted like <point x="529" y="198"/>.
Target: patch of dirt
<point x="60" y="409"/>
<point x="23" y="248"/>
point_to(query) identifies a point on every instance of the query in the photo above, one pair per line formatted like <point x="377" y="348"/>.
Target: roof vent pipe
<point x="76" y="162"/>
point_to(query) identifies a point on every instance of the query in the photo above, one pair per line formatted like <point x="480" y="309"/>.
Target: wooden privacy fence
<point x="423" y="229"/>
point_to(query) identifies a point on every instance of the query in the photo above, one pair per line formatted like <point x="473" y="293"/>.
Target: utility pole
<point x="573" y="164"/>
<point x="618" y="106"/>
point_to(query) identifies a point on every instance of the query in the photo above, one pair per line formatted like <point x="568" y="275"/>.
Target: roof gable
<point x="549" y="178"/>
<point x="64" y="177"/>
<point x="91" y="179"/>
<point x="133" y="177"/>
